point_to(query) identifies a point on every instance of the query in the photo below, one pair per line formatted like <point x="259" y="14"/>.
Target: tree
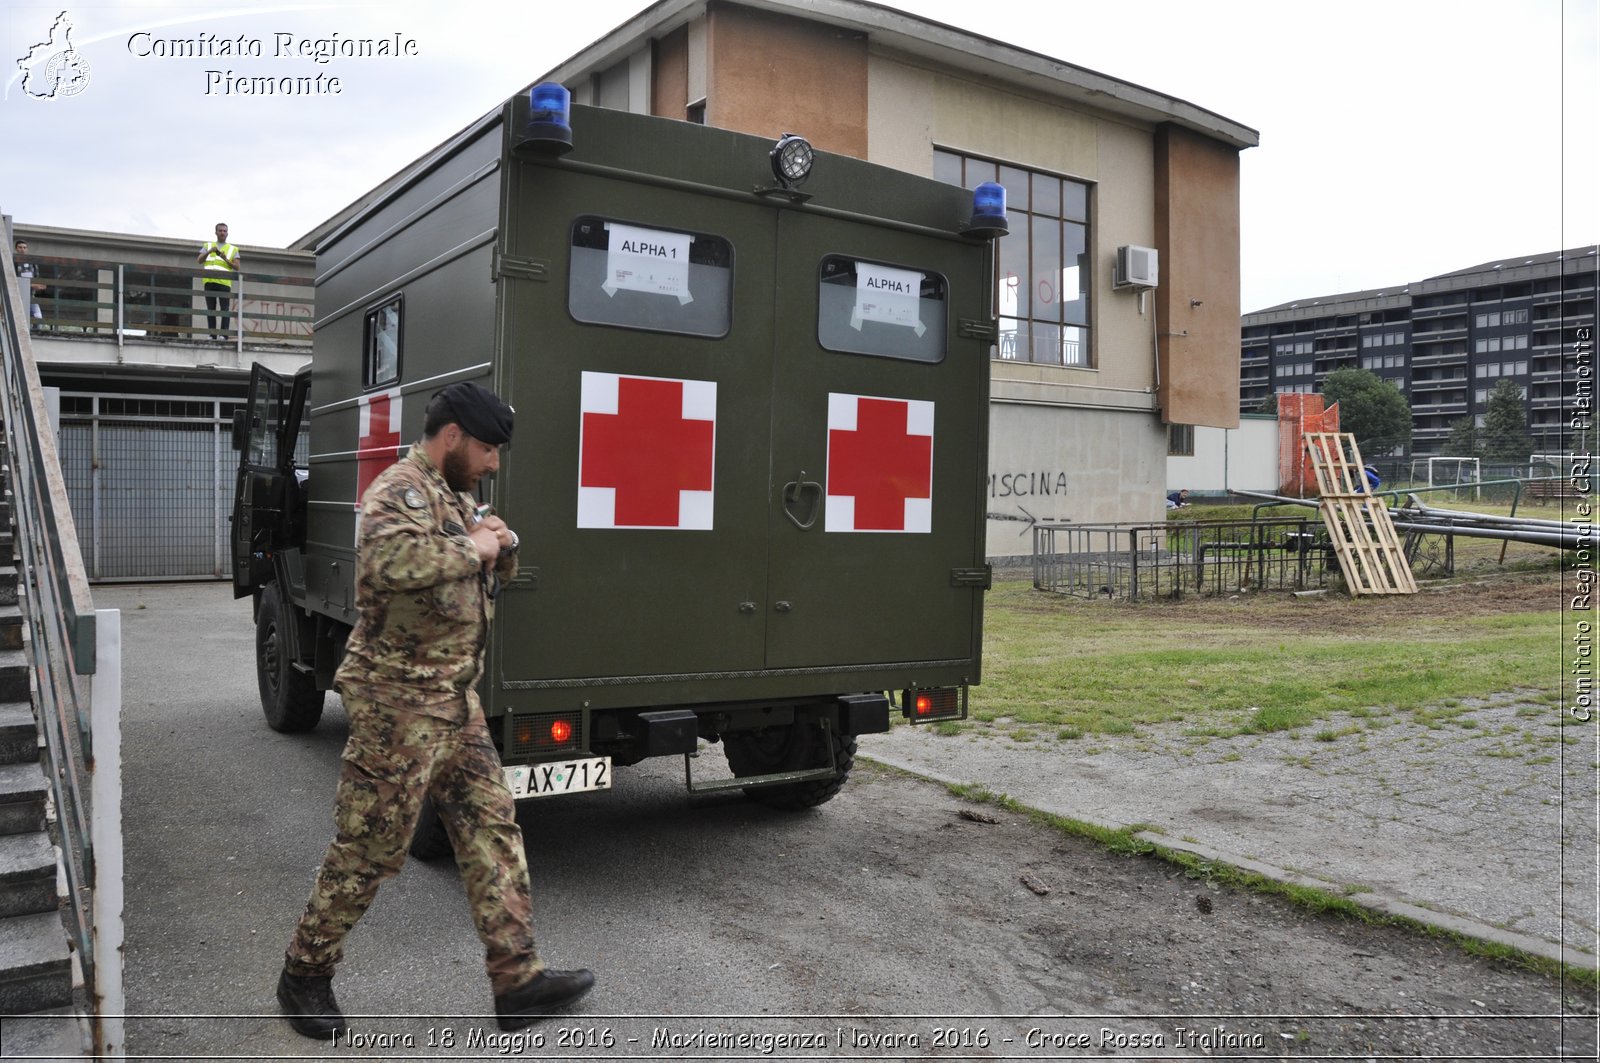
<point x="1462" y="442"/>
<point x="1505" y="425"/>
<point x="1371" y="408"/>
<point x="1269" y="404"/>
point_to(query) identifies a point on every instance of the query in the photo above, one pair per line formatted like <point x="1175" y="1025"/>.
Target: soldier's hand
<point x="486" y="540"/>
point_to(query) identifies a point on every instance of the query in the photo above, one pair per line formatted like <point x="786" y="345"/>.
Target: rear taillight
<point x="935" y="703"/>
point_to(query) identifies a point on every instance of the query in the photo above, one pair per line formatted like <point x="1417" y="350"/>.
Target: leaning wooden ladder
<point x="1357" y="521"/>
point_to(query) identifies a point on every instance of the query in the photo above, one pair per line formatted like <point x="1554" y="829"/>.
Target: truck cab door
<point x="266" y="511"/>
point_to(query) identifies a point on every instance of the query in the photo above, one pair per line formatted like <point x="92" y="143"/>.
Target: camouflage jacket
<point x="421" y="593"/>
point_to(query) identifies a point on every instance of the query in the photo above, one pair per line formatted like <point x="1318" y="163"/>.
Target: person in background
<point x="27" y="272"/>
<point x="221" y="261"/>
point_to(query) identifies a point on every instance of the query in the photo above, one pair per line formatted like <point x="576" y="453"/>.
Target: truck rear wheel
<point x="793" y="748"/>
<point x="289" y="697"/>
<point x="431" y="841"/>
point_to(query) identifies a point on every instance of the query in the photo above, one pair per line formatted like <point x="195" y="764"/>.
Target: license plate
<point x="559" y="777"/>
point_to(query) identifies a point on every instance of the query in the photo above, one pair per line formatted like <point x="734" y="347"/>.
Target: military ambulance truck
<point x="751" y="384"/>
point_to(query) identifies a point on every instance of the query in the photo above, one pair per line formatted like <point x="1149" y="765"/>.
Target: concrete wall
<point x="1230" y="459"/>
<point x="1080" y="465"/>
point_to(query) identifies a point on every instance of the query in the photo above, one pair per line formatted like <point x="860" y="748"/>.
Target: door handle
<point x="795" y="494"/>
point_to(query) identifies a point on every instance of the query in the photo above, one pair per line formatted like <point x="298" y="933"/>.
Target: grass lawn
<point x="1059" y="668"/>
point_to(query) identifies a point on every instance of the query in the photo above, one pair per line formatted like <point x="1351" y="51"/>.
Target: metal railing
<point x="76" y="659"/>
<point x="1133" y="562"/>
<point x="123" y="300"/>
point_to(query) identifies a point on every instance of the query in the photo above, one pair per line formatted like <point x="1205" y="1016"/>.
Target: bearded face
<point x="458" y="467"/>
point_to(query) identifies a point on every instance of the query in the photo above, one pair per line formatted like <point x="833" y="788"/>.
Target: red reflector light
<point x="937" y="703"/>
<point x="545" y="732"/>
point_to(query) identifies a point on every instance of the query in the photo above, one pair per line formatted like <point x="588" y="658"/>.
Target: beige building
<point x="1087" y="374"/>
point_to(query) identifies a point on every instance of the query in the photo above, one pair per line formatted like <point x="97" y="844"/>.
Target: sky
<point x="1400" y="139"/>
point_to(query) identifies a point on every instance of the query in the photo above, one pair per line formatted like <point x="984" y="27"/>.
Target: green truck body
<point x="750" y="449"/>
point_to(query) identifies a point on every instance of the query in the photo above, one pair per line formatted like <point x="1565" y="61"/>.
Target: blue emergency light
<point x="549" y="127"/>
<point x="988" y="211"/>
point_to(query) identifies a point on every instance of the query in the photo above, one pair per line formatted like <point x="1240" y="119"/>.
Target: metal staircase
<point x="38" y="1015"/>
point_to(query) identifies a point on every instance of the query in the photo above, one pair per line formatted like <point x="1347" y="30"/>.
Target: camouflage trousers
<point x="392" y="759"/>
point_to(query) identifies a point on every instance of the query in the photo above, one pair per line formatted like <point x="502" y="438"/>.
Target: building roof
<point x="887" y="27"/>
<point x="1545" y="259"/>
<point x="946" y="45"/>
<point x="1396" y="295"/>
<point x="1340" y="301"/>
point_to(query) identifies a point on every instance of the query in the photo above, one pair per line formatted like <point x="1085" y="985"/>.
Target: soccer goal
<point x="1447" y="471"/>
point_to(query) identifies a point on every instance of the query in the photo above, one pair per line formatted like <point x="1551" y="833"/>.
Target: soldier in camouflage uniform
<point x="427" y="568"/>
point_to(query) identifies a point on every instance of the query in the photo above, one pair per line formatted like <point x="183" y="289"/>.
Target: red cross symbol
<point x="648" y="451"/>
<point x="878" y="459"/>
<point x="378" y="444"/>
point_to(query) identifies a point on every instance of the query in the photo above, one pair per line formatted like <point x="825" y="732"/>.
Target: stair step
<point x="22" y="797"/>
<point x="27" y="874"/>
<point x="10" y="626"/>
<point x="35" y="964"/>
<point x="57" y="1034"/>
<point x="14" y="671"/>
<point x="19" y="733"/>
<point x="8" y="584"/>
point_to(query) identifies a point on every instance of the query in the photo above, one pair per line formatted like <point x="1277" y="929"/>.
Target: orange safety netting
<point x="1297" y="415"/>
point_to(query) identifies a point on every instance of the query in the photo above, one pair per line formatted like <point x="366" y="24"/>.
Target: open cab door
<point x="268" y="513"/>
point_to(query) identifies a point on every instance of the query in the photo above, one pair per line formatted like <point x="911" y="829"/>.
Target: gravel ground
<point x="1488" y="820"/>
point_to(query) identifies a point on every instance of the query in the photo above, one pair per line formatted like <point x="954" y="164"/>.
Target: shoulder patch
<point x="414" y="499"/>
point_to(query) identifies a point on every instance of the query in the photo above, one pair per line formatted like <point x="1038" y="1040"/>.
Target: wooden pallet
<point x="1358" y="523"/>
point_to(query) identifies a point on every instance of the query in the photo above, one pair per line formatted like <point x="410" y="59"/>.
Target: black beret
<point x="481" y="413"/>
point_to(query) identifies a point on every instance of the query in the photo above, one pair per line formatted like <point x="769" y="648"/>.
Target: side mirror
<point x="241" y="429"/>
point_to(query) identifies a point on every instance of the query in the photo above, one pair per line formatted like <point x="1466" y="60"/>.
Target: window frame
<point x="604" y="219"/>
<point x="369" y="334"/>
<point x="1064" y="194"/>
<point x="944" y="285"/>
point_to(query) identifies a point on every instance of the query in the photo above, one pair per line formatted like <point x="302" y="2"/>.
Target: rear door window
<point x="877" y="309"/>
<point x="646" y="277"/>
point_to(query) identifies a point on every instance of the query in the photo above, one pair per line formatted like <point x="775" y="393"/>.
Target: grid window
<point x="1180" y="440"/>
<point x="1043" y="287"/>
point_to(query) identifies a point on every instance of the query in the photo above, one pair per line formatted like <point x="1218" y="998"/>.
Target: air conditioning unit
<point x="1137" y="267"/>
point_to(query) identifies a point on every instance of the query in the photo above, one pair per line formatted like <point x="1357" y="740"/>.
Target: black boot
<point x="548" y="991"/>
<point x="308" y="1004"/>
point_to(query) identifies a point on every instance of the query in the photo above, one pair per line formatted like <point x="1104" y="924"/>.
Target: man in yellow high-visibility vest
<point x="221" y="260"/>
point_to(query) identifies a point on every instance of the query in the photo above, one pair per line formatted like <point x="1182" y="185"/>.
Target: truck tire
<point x="289" y="697"/>
<point x="430" y="841"/>
<point x="792" y="748"/>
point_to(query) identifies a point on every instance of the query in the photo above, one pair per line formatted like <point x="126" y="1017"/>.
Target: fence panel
<point x="150" y="481"/>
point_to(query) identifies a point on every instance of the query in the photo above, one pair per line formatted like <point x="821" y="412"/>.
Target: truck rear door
<point x="648" y="368"/>
<point x="877" y="418"/>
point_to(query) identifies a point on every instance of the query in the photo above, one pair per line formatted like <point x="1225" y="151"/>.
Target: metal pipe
<point x="1534" y="536"/>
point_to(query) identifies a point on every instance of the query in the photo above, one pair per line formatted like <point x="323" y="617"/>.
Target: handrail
<point x="79" y="693"/>
<point x="113" y="298"/>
